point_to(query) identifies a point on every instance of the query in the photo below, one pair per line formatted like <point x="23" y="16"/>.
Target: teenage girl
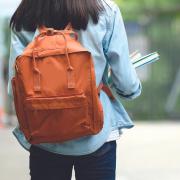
<point x="100" y="27"/>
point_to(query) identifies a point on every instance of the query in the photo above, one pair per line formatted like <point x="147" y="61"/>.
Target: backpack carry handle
<point x="50" y="31"/>
<point x="69" y="27"/>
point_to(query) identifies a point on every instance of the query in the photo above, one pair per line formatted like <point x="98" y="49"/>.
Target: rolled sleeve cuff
<point x="133" y="95"/>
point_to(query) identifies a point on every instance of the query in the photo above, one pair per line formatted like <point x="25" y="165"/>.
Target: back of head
<point x="55" y="14"/>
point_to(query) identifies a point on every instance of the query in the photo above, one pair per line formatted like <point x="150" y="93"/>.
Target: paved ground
<point x="150" y="151"/>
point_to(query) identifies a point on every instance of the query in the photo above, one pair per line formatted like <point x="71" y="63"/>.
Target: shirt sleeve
<point x="18" y="43"/>
<point x="124" y="77"/>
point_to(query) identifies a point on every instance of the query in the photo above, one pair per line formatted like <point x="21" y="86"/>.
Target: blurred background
<point x="151" y="149"/>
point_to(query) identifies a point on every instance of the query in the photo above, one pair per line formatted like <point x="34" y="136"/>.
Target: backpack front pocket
<point x="57" y="119"/>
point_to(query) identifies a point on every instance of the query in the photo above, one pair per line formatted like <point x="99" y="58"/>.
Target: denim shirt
<point x="107" y="42"/>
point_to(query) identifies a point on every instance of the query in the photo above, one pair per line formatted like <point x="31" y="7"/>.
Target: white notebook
<point x="138" y="60"/>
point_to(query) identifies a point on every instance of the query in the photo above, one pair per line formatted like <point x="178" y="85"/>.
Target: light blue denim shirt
<point x="107" y="42"/>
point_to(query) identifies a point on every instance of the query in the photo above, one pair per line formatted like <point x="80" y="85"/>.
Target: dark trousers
<point x="100" y="165"/>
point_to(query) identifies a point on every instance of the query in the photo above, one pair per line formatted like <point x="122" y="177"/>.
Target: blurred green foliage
<point x="138" y="9"/>
<point x="160" y="21"/>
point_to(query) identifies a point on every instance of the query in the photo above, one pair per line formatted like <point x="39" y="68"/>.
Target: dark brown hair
<point x="55" y="14"/>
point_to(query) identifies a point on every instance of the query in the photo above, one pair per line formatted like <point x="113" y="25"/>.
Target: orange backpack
<point x="54" y="88"/>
